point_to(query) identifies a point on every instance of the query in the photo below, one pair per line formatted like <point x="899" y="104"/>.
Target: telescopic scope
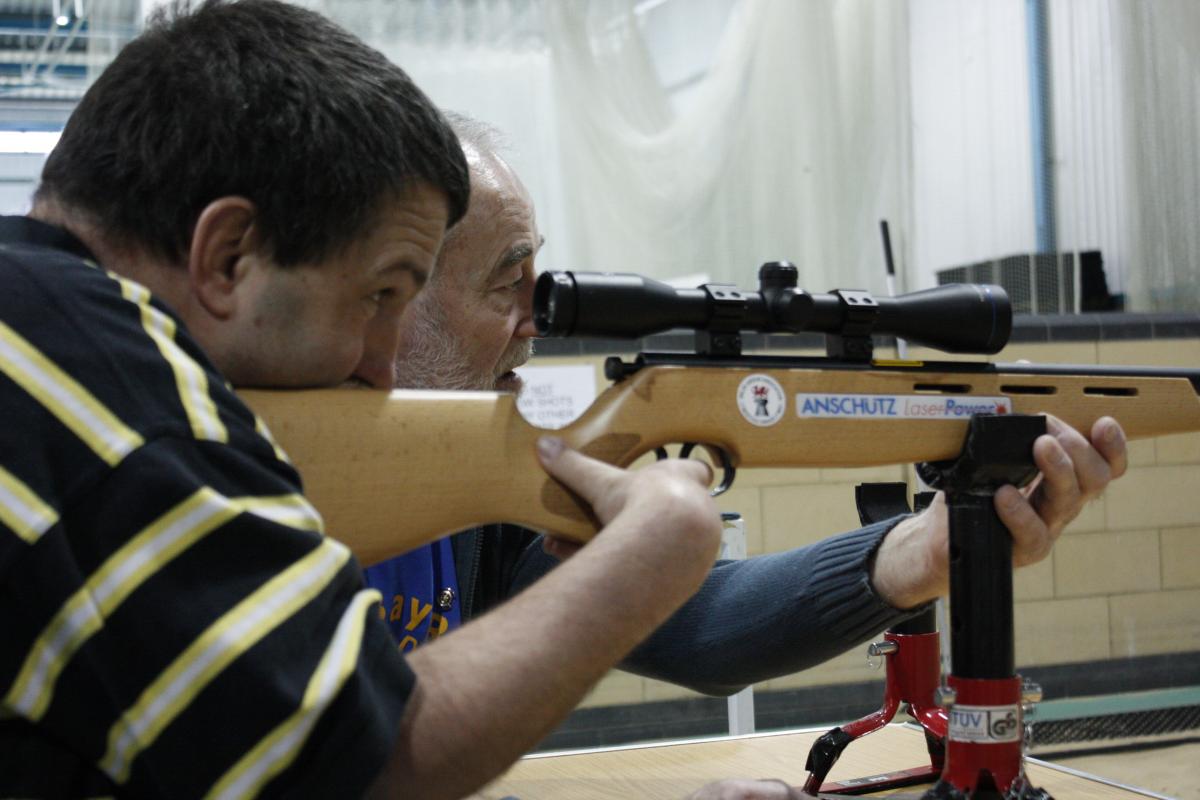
<point x="955" y="318"/>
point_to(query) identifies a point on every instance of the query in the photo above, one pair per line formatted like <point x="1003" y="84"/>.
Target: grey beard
<point x="517" y="354"/>
<point x="436" y="359"/>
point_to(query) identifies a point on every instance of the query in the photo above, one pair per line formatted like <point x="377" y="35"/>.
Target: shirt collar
<point x="26" y="230"/>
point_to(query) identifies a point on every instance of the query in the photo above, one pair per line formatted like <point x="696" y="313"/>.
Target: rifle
<point x="392" y="471"/>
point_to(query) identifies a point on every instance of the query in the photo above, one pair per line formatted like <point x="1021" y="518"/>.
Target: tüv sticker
<point x="898" y="406"/>
<point x="985" y="724"/>
<point x="761" y="400"/>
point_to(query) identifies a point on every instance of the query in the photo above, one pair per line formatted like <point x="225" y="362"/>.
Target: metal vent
<point x="1037" y="283"/>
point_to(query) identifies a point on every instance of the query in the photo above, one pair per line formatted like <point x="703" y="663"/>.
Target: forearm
<point x="771" y="615"/>
<point x="912" y="565"/>
<point x="496" y="687"/>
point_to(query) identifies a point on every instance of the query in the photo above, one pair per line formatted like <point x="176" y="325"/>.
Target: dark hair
<point x="255" y="98"/>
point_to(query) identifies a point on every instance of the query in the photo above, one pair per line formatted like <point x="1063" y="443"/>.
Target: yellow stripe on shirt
<point x="25" y="514"/>
<point x="278" y="749"/>
<point x="82" y="615"/>
<point x="65" y="398"/>
<point x="261" y="428"/>
<point x="225" y="640"/>
<point x="292" y="510"/>
<point x="190" y="379"/>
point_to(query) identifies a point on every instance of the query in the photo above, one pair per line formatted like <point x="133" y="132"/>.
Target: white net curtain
<point x="1127" y="126"/>
<point x="811" y="120"/>
<point x="1161" y="121"/>
<point x="792" y="147"/>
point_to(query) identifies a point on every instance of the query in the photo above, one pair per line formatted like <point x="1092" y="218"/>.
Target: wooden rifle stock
<point x="390" y="472"/>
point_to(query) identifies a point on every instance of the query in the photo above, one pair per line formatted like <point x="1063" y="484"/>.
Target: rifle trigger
<point x="728" y="471"/>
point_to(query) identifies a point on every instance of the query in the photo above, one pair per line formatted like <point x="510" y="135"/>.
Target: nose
<point x="376" y="372"/>
<point x="376" y="365"/>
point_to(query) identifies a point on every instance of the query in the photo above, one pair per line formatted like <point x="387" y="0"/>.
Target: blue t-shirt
<point x="420" y="593"/>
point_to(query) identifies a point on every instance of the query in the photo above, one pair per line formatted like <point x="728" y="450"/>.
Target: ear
<point x="226" y="246"/>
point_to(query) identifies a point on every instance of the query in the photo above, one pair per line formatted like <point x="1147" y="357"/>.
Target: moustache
<point x="516" y="355"/>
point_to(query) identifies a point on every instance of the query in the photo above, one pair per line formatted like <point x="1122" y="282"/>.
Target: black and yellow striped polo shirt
<point x="173" y="622"/>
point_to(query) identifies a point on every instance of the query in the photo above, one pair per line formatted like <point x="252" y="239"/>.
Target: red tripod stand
<point x="912" y="678"/>
<point x="983" y="730"/>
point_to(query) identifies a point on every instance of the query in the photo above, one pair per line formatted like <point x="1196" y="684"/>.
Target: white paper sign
<point x="555" y="396"/>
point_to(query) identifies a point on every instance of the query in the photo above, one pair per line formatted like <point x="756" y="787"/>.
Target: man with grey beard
<point x="752" y="620"/>
<point x="473" y="325"/>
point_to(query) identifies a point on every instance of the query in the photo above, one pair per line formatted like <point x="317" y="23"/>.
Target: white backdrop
<point x="972" y="173"/>
<point x="792" y="146"/>
<point x="1159" y="119"/>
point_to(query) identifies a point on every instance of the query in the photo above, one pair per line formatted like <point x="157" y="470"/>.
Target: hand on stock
<point x="661" y="515"/>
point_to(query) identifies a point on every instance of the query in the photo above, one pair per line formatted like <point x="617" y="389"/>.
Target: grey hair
<point x="482" y="136"/>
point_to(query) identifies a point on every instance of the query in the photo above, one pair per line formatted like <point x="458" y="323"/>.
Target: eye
<point x="380" y="297"/>
<point x="511" y="286"/>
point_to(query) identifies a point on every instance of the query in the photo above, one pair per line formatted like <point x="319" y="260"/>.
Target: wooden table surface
<point x="672" y="770"/>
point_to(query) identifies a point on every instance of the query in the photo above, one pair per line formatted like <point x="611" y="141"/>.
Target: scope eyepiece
<point x="616" y="305"/>
<point x="554" y="304"/>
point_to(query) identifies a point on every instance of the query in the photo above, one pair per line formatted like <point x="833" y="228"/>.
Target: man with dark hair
<point x="249" y="195"/>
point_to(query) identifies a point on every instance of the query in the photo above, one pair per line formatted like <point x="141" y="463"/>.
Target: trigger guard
<point x="728" y="471"/>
